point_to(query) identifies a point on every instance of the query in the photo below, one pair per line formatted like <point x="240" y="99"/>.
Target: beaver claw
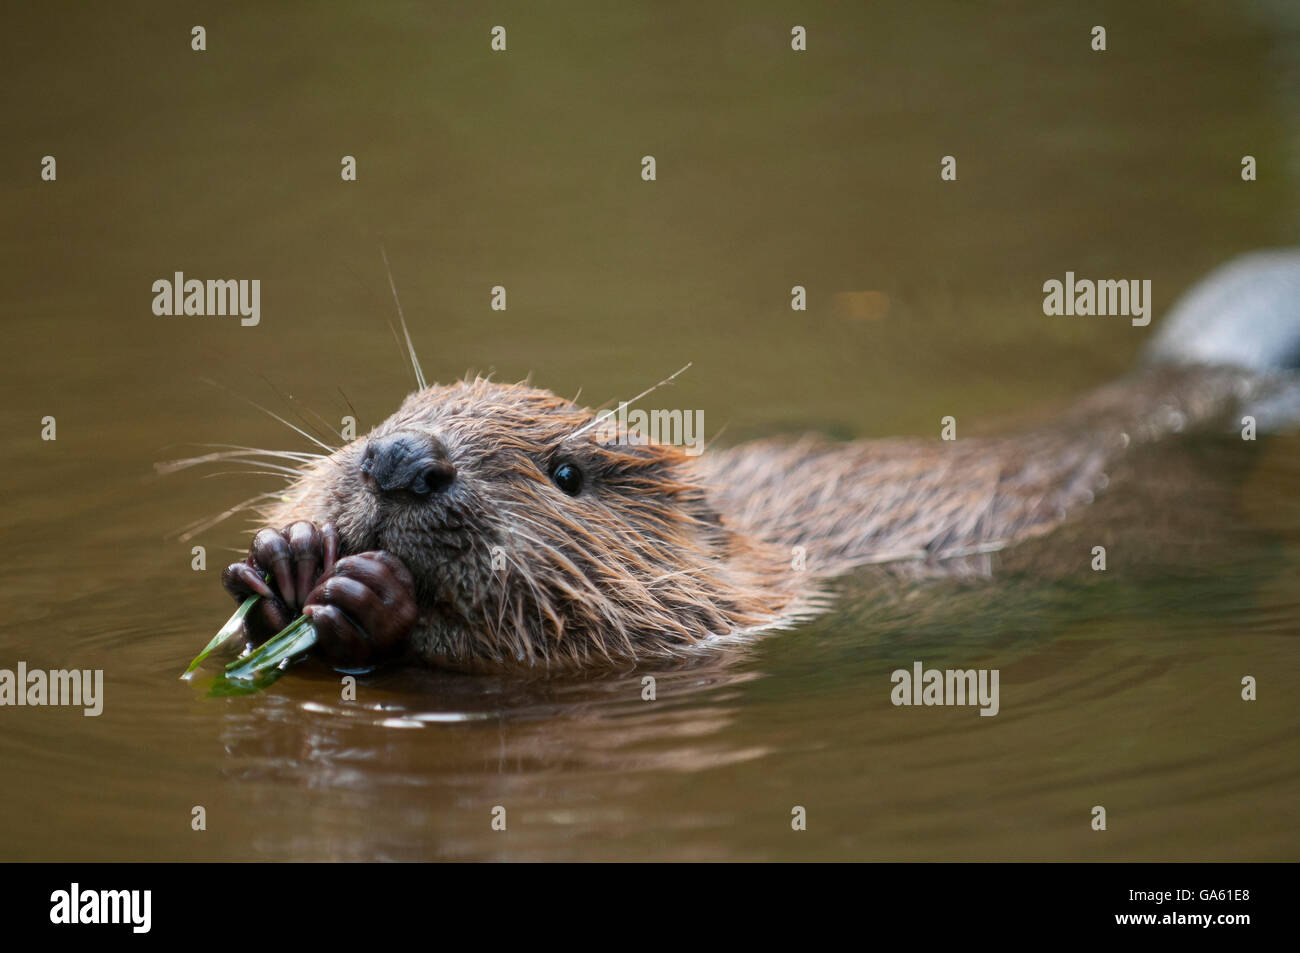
<point x="363" y="607"/>
<point x="365" y="610"/>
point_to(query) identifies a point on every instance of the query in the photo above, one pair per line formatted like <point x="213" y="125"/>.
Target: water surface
<point x="522" y="170"/>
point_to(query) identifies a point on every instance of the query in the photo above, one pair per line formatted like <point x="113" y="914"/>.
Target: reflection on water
<point x="1119" y="689"/>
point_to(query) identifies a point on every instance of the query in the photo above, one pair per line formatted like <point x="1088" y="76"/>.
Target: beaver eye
<point x="568" y="478"/>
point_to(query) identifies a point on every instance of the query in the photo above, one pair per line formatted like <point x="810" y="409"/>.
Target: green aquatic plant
<point x="293" y="640"/>
<point x="262" y="666"/>
<point x="227" y="632"/>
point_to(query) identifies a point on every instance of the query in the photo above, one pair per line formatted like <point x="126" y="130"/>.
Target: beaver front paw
<point x="283" y="566"/>
<point x="364" y="610"/>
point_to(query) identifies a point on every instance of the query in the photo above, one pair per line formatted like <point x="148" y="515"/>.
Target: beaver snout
<point x="407" y="463"/>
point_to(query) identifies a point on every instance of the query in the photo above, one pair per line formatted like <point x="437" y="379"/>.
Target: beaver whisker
<point x="248" y="472"/>
<point x="270" y="413"/>
<point x="294" y="400"/>
<point x="529" y="579"/>
<point x="348" y="401"/>
<point x="249" y="454"/>
<point x="587" y="594"/>
<point x="303" y="455"/>
<point x="649" y="390"/>
<point x="273" y="469"/>
<point x="191" y="530"/>
<point x="410" y="348"/>
<point x="708" y="443"/>
<point x="566" y="563"/>
<point x="532" y="585"/>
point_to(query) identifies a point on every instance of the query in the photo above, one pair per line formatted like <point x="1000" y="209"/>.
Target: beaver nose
<point x="407" y="463"/>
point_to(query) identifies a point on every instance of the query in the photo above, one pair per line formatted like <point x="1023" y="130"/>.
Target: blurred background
<point x="523" y="169"/>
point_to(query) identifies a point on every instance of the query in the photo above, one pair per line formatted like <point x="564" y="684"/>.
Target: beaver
<point x="487" y="527"/>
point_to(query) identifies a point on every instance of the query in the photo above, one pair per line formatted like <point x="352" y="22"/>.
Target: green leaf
<point x="295" y="639"/>
<point x="228" y="631"/>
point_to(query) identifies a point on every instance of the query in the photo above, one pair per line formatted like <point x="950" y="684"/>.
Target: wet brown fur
<point x="663" y="553"/>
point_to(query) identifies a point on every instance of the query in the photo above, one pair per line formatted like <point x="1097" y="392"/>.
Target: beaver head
<point x="538" y="534"/>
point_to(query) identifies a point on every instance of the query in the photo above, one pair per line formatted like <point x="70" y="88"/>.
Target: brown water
<point x="522" y="169"/>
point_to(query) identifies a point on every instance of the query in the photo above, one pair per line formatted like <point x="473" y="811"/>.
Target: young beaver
<point x="487" y="526"/>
